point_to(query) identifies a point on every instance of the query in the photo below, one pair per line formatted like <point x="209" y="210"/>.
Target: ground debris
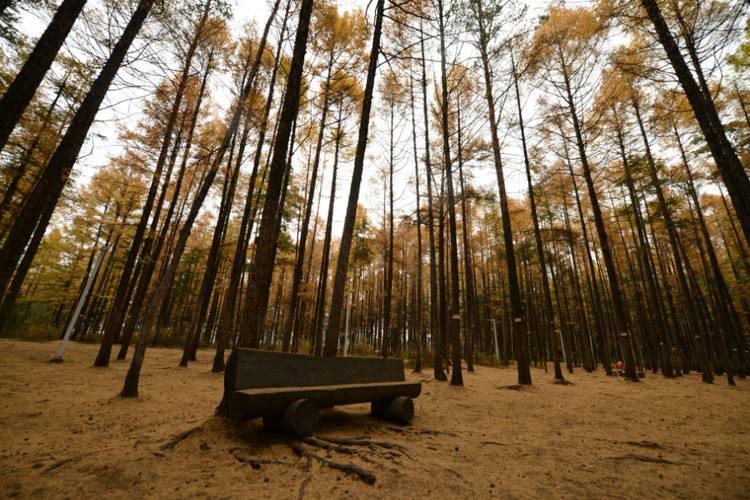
<point x="56" y="465"/>
<point x="255" y="463"/>
<point x="644" y="444"/>
<point x="405" y="430"/>
<point x="179" y="437"/>
<point x="366" y="476"/>
<point x="644" y="458"/>
<point x="361" y="441"/>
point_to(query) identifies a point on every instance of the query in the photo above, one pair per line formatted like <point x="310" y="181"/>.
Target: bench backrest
<point x="254" y="369"/>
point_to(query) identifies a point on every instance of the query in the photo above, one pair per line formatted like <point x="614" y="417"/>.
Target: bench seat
<point x="288" y="389"/>
<point x="268" y="401"/>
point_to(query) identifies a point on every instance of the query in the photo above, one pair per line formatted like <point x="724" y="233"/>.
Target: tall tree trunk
<point x="265" y="248"/>
<point x="435" y="332"/>
<point x="323" y="280"/>
<point x="302" y="242"/>
<point x="240" y="255"/>
<point x="418" y="285"/>
<point x="472" y="325"/>
<point x="519" y="327"/>
<point x="21" y="91"/>
<point x="119" y="306"/>
<point x="617" y="298"/>
<point x="732" y="172"/>
<point x="455" y="323"/>
<point x="130" y="388"/>
<point x="52" y="182"/>
<point x="537" y="234"/>
<point x="342" y="265"/>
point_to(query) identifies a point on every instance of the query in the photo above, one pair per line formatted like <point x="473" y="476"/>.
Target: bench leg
<point x="400" y="409"/>
<point x="300" y="418"/>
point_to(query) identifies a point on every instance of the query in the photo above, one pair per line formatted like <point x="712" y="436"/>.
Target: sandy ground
<point x="65" y="433"/>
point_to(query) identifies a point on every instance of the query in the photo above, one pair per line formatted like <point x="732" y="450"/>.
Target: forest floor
<point x="65" y="433"/>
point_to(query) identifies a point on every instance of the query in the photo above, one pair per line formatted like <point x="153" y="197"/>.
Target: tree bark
<point x="21" y="91"/>
<point x="342" y="265"/>
<point x="732" y="172"/>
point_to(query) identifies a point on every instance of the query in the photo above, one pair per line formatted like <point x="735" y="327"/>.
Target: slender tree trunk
<point x="54" y="179"/>
<point x="732" y="172"/>
<point x="617" y="298"/>
<point x="323" y="281"/>
<point x="519" y="327"/>
<point x="119" y="306"/>
<point x="265" y="248"/>
<point x="435" y="332"/>
<point x="538" y="235"/>
<point x="302" y="242"/>
<point x="418" y="285"/>
<point x="130" y="388"/>
<point x="21" y="91"/>
<point x="342" y="265"/>
<point x="240" y="255"/>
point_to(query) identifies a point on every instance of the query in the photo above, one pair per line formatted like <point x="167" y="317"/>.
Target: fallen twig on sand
<point x="404" y="430"/>
<point x="644" y="458"/>
<point x="56" y="465"/>
<point x="459" y="476"/>
<point x="365" y="475"/>
<point x="179" y="437"/>
<point x="493" y="442"/>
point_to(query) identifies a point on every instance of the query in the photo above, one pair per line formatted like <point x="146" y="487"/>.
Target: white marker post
<point x="90" y="281"/>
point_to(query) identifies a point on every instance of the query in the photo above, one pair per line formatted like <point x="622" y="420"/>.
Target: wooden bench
<point x="288" y="389"/>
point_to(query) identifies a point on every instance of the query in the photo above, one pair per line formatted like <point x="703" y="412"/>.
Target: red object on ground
<point x="620" y="364"/>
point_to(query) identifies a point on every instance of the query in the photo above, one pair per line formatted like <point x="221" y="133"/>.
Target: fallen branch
<point x="56" y="465"/>
<point x="420" y="431"/>
<point x="179" y="437"/>
<point x="493" y="442"/>
<point x="459" y="476"/>
<point x="644" y="458"/>
<point x="366" y="476"/>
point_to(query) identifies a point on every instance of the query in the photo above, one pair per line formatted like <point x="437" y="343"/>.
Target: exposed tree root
<point x="562" y="382"/>
<point x="302" y="486"/>
<point x="366" y="476"/>
<point x="179" y="437"/>
<point x="334" y="447"/>
<point x="364" y="441"/>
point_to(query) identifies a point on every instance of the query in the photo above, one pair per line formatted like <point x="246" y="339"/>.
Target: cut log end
<point x="400" y="409"/>
<point x="299" y="418"/>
